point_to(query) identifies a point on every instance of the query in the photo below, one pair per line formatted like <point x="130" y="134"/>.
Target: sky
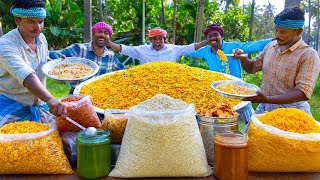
<point x="279" y="4"/>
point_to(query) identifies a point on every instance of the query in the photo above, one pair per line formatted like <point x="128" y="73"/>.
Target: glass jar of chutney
<point x="93" y="154"/>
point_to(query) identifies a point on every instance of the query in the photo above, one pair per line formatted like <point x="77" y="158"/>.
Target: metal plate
<point x="101" y="111"/>
<point x="215" y="84"/>
<point x="69" y="60"/>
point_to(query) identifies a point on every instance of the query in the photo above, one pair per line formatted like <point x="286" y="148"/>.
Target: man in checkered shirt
<point x="290" y="67"/>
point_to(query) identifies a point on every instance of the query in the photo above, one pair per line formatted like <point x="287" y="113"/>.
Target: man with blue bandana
<point x="290" y="67"/>
<point x="23" y="52"/>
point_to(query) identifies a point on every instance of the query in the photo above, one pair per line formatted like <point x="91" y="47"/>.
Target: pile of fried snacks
<point x="235" y="89"/>
<point x="32" y="148"/>
<point x="222" y="56"/>
<point x="71" y="71"/>
<point x="218" y="110"/>
<point x="116" y="125"/>
<point x="124" y="89"/>
<point x="284" y="140"/>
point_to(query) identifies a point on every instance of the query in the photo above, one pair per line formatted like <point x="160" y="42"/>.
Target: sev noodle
<point x="71" y="71"/>
<point x="127" y="88"/>
<point x="235" y="89"/>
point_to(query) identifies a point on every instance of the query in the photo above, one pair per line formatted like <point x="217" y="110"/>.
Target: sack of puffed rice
<point x="284" y="140"/>
<point x="32" y="148"/>
<point x="162" y="139"/>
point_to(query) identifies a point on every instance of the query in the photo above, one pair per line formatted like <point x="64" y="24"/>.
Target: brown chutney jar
<point x="230" y="156"/>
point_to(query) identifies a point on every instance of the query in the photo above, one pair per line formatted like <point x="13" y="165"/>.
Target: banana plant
<point x="65" y="23"/>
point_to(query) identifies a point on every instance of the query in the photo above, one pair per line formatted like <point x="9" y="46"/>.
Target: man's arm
<point x="200" y="44"/>
<point x="114" y="46"/>
<point x="70" y="51"/>
<point x="286" y="98"/>
<point x="33" y="84"/>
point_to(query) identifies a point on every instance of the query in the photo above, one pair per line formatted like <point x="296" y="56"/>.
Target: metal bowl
<point x="69" y="60"/>
<point x="215" y="84"/>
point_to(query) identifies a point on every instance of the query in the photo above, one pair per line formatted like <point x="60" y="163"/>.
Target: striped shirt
<point x="295" y="68"/>
<point x="107" y="62"/>
<point x="17" y="61"/>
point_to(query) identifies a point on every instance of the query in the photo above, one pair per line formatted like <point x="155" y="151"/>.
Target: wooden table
<point x="252" y="176"/>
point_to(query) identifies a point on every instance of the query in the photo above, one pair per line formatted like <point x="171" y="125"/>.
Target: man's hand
<point x="63" y="57"/>
<point x="260" y="98"/>
<point x="237" y="52"/>
<point x="57" y="108"/>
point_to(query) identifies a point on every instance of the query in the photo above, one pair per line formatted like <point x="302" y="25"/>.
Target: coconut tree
<point x="100" y="10"/>
<point x="87" y="36"/>
<point x="251" y="20"/>
<point x="174" y="21"/>
<point x="199" y="21"/>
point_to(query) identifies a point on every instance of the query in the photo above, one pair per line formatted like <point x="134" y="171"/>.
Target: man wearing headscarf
<point x="290" y="67"/>
<point x="214" y="34"/>
<point x="23" y="52"/>
<point x="158" y="50"/>
<point x="96" y="51"/>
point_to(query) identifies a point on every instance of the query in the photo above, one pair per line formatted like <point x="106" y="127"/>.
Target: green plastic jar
<point x="93" y="154"/>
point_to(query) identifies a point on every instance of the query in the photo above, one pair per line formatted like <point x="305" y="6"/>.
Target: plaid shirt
<point x="17" y="61"/>
<point x="295" y="68"/>
<point x="107" y="62"/>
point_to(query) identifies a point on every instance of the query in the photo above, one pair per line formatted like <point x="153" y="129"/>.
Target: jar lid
<point x="102" y="136"/>
<point x="216" y="120"/>
<point x="232" y="138"/>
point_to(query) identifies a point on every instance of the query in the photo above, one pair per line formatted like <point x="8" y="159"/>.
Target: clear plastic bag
<point x="81" y="110"/>
<point x="40" y="152"/>
<point x="162" y="144"/>
<point x="69" y="146"/>
<point x="275" y="150"/>
<point x="115" y="124"/>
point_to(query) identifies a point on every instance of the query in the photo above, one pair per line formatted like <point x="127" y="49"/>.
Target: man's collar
<point x="164" y="47"/>
<point x="292" y="48"/>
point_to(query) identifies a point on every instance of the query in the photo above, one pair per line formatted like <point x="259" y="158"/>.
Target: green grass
<point x="57" y="89"/>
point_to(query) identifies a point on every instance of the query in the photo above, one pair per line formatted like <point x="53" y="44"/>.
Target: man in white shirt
<point x="158" y="50"/>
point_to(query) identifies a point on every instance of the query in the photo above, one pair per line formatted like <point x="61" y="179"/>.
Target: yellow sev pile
<point x="24" y="151"/>
<point x="127" y="88"/>
<point x="270" y="152"/>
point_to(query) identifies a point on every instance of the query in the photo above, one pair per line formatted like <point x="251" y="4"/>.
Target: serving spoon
<point x="90" y="131"/>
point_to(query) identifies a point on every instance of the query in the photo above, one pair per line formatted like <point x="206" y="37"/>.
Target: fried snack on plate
<point x="218" y="110"/>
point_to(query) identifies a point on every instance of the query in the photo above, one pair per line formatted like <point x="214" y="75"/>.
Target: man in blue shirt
<point x="214" y="36"/>
<point x="96" y="50"/>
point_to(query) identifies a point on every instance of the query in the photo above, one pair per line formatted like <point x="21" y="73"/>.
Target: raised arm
<point x="200" y="44"/>
<point x="114" y="46"/>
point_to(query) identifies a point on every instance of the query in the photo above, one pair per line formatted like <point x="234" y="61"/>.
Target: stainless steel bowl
<point x="215" y="84"/>
<point x="209" y="126"/>
<point x="69" y="60"/>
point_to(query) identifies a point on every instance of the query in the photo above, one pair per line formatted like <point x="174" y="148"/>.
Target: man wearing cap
<point x="96" y="50"/>
<point x="290" y="67"/>
<point x="214" y="35"/>
<point x="23" y="52"/>
<point x="158" y="50"/>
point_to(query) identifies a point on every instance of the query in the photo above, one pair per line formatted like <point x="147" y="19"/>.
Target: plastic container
<point x="116" y="124"/>
<point x="209" y="126"/>
<point x="93" y="155"/>
<point x="231" y="156"/>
